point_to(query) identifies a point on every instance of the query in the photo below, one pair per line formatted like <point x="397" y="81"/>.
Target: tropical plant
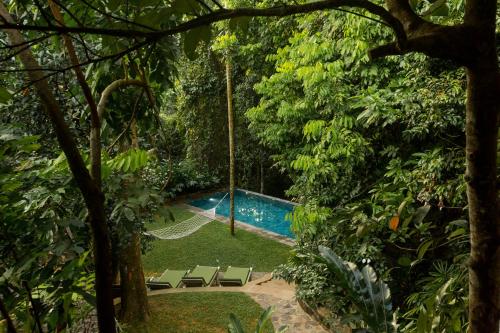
<point x="263" y="322"/>
<point x="45" y="272"/>
<point x="371" y="296"/>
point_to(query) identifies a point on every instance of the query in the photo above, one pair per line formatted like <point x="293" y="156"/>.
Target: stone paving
<point x="288" y="313"/>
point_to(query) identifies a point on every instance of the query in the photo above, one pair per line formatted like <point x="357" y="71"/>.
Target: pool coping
<point x="267" y="196"/>
<point x="245" y="226"/>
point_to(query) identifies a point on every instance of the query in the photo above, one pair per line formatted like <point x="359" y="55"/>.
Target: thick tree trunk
<point x="94" y="198"/>
<point x="230" y="120"/>
<point x="483" y="105"/>
<point x="5" y="314"/>
<point x="134" y="308"/>
<point x="483" y="91"/>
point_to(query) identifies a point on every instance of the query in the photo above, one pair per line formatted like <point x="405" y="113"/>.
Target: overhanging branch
<point x="224" y="14"/>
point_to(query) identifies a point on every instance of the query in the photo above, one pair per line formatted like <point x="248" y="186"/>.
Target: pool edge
<point x="246" y="226"/>
<point x="268" y="196"/>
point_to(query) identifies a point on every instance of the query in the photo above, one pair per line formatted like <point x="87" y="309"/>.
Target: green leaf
<point x="240" y="23"/>
<point x="113" y="4"/>
<point x="126" y="165"/>
<point x="234" y="325"/>
<point x="129" y="213"/>
<point x="420" y="214"/>
<point x="263" y="319"/>
<point x="422" y="249"/>
<point x="5" y="95"/>
<point x="438" y="8"/>
<point x="401" y="207"/>
<point x="404" y="261"/>
<point x="457" y="233"/>
<point x="186" y="6"/>
<point x="370" y="295"/>
<point x="134" y="163"/>
<point x="414" y="3"/>
<point x="192" y="39"/>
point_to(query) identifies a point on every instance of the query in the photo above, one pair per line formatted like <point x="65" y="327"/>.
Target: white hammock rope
<point x="182" y="229"/>
<point x="186" y="227"/>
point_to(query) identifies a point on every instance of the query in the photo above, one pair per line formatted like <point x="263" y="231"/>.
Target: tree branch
<point x="224" y="14"/>
<point x="401" y="10"/>
<point x="95" y="126"/>
<point x="134" y="111"/>
<point x="112" y="87"/>
<point x="94" y="198"/>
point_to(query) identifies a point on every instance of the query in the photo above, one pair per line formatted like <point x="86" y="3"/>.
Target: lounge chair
<point x="236" y="276"/>
<point x="169" y="279"/>
<point x="201" y="276"/>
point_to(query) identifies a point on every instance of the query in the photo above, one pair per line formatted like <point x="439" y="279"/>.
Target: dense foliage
<point x="373" y="150"/>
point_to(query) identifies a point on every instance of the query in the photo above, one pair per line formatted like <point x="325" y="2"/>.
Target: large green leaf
<point x="371" y="296"/>
<point x="113" y="4"/>
<point x="5" y="95"/>
<point x="186" y="6"/>
<point x="420" y="214"/>
<point x="438" y="8"/>
<point x="240" y="23"/>
<point x="234" y="325"/>
<point x="192" y="39"/>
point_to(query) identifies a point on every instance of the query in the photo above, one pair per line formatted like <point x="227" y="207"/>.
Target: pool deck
<point x="239" y="224"/>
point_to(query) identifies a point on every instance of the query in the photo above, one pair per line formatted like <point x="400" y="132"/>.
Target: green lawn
<point x="213" y="245"/>
<point x="202" y="312"/>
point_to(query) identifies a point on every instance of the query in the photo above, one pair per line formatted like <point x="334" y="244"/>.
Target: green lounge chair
<point x="236" y="276"/>
<point x="201" y="276"/>
<point x="169" y="279"/>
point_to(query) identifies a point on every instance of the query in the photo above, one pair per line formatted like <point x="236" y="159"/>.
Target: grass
<point x="212" y="245"/>
<point x="202" y="312"/>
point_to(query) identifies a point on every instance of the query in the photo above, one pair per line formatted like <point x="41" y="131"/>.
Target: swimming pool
<point x="260" y="211"/>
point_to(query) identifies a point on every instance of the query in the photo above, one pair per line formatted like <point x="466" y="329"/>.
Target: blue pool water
<point x="259" y="211"/>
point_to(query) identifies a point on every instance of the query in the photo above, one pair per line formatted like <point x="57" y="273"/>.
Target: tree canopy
<point x="366" y="113"/>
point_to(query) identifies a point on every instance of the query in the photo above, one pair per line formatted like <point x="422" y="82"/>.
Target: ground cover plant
<point x="210" y="246"/>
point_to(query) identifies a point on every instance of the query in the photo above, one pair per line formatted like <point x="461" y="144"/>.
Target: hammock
<point x="186" y="227"/>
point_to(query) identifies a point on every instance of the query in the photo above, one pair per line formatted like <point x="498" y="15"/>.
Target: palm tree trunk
<point x="230" y="120"/>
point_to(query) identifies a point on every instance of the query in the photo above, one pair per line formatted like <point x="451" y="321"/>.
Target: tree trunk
<point x="134" y="308"/>
<point x="482" y="112"/>
<point x="94" y="198"/>
<point x="483" y="101"/>
<point x="261" y="174"/>
<point x="5" y="314"/>
<point x="230" y="120"/>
